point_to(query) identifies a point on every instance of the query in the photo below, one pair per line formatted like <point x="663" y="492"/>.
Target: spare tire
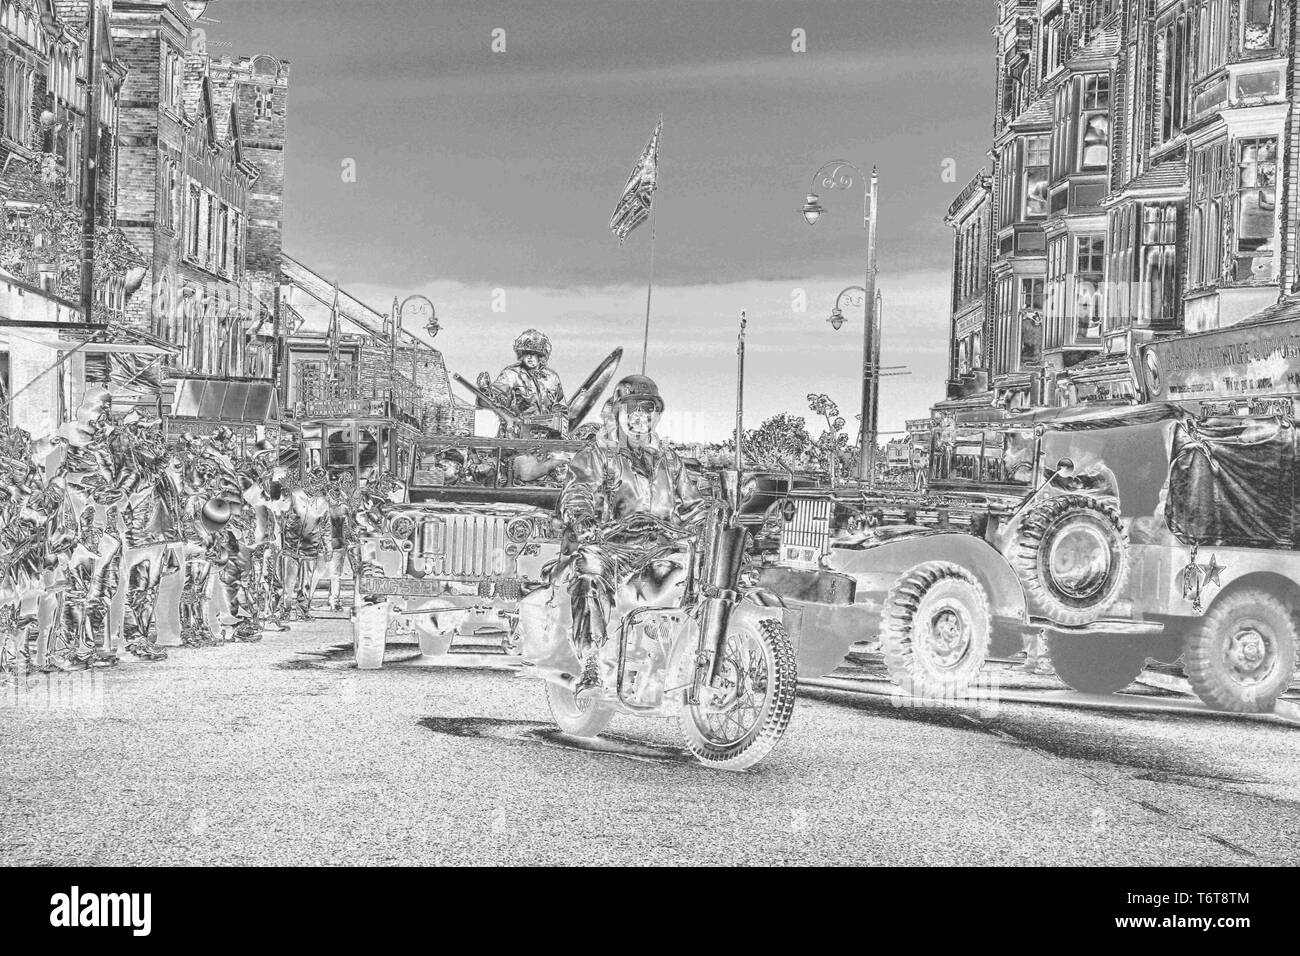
<point x="1071" y="553"/>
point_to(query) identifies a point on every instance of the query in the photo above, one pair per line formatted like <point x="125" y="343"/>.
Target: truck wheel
<point x="1243" y="653"/>
<point x="935" y="632"/>
<point x="1071" y="554"/>
<point x="369" y="634"/>
<point x="1097" y="663"/>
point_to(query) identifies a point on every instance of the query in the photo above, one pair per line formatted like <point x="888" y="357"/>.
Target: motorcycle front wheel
<point x="738" y="721"/>
<point x="577" y="718"/>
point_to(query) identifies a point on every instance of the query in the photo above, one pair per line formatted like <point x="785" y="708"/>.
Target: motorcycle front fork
<point x="715" y="615"/>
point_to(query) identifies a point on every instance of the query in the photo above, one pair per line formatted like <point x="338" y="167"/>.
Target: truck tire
<point x="1242" y="654"/>
<point x="1097" y="663"/>
<point x="1071" y="553"/>
<point x="936" y="629"/>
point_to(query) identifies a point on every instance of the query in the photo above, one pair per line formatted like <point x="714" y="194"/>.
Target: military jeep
<point x="477" y="529"/>
<point x="1091" y="526"/>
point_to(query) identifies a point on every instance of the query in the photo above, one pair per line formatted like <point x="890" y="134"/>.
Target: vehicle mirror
<point x="1065" y="467"/>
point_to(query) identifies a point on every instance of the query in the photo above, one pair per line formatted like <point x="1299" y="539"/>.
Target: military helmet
<point x="531" y="340"/>
<point x="637" y="388"/>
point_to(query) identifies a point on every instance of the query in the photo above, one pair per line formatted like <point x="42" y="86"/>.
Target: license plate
<point x="406" y="587"/>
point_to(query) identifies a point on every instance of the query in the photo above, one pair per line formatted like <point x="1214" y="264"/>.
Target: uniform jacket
<point x="610" y="480"/>
<point x="526" y="392"/>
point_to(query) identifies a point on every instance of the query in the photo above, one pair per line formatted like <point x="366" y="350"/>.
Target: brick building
<point x="1146" y="161"/>
<point x="970" y="217"/>
<point x="201" y="181"/>
<point x="43" y="104"/>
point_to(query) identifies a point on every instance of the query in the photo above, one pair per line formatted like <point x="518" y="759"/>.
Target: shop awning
<point x="215" y="400"/>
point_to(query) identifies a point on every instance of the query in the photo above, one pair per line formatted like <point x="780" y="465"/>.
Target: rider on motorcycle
<point x="624" y="474"/>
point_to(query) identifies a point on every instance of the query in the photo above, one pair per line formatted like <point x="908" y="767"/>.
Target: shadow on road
<point x="548" y="735"/>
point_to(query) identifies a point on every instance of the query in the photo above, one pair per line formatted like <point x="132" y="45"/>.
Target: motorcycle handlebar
<point x="637" y="522"/>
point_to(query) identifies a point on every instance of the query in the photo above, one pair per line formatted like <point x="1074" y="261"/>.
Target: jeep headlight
<point x="401" y="526"/>
<point x="519" y="530"/>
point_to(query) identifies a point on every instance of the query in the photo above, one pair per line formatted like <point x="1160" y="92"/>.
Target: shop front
<point x="1250" y="368"/>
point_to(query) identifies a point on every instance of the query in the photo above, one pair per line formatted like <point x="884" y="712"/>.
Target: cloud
<point x="693" y="341"/>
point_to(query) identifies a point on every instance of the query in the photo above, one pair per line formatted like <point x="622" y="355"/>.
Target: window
<point x="196" y="209"/>
<point x="19" y="89"/>
<point x="1031" y="322"/>
<point x="1006" y="339"/>
<point x="1058" y="269"/>
<point x="1212" y="33"/>
<point x="1122" y="284"/>
<point x="1171" y="45"/>
<point x="236" y="262"/>
<point x="1094" y="122"/>
<point x="1258" y="18"/>
<point x="1053" y="47"/>
<point x="1159" y="297"/>
<point x="225" y="237"/>
<point x="1037" y="152"/>
<point x="262" y="104"/>
<point x="210" y="246"/>
<point x="1256" y="208"/>
<point x="1007" y="185"/>
<point x="1205" y="246"/>
<point x="1089" y="270"/>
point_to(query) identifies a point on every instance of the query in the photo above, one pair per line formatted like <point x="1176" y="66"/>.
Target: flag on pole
<point x="332" y="336"/>
<point x="634" y="206"/>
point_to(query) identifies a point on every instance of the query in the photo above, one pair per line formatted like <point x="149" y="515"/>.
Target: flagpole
<point x="645" y="344"/>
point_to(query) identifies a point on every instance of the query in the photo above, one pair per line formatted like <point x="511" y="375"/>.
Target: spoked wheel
<point x="579" y="718"/>
<point x="739" y="720"/>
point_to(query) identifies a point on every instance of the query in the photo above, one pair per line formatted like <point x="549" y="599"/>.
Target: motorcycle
<point x="685" y="638"/>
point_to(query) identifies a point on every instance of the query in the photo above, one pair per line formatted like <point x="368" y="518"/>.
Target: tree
<point x="780" y="442"/>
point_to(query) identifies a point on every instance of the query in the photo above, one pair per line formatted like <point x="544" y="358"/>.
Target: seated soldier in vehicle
<point x="623" y="474"/>
<point x="527" y="387"/>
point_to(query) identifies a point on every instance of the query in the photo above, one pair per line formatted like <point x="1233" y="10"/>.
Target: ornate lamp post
<point x="841" y="175"/>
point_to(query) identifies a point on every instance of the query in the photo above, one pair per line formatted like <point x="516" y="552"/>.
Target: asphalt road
<point x="283" y="753"/>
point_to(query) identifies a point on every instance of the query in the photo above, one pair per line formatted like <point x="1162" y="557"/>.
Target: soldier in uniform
<point x="624" y="473"/>
<point x="527" y="387"/>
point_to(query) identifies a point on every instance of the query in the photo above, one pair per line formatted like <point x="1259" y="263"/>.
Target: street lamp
<point x="841" y="175"/>
<point x="836" y="318"/>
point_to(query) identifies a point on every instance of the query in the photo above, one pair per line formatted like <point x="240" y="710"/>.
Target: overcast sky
<point x="479" y="171"/>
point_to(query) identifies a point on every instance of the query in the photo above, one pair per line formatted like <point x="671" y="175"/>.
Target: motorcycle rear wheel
<point x="576" y="718"/>
<point x="759" y="663"/>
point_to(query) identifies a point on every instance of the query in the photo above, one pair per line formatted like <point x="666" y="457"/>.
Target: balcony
<point x="370" y="390"/>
